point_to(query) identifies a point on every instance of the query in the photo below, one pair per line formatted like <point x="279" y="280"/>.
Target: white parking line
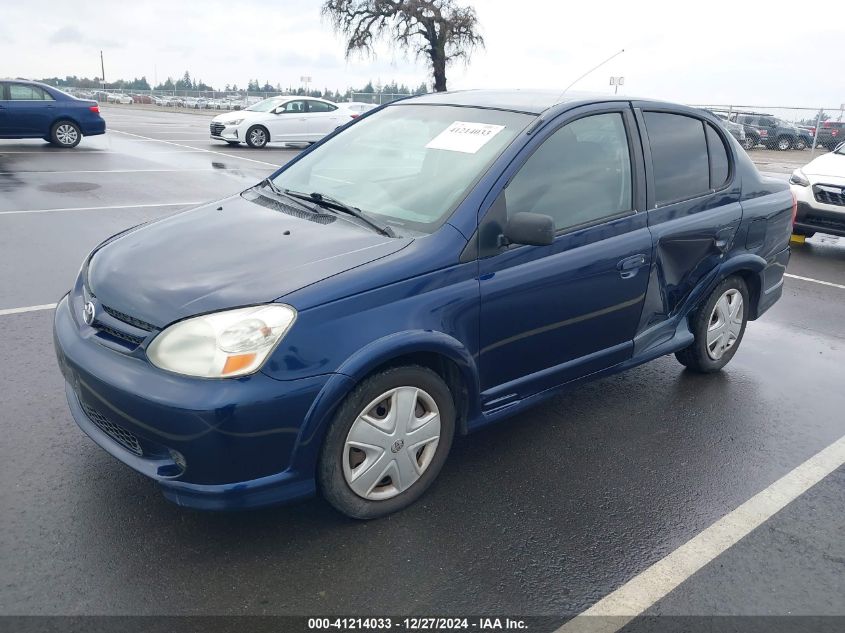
<point x="46" y="306"/>
<point x="251" y="160"/>
<point x="815" y="281"/>
<point x="618" y="608"/>
<point x="111" y="206"/>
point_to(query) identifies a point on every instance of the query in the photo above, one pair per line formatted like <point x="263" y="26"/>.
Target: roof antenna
<point x="588" y="72"/>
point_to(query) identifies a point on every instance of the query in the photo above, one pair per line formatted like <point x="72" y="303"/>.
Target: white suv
<point x="820" y="190"/>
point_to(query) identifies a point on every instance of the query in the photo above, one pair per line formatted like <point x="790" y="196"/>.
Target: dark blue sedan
<point x="435" y="266"/>
<point x="33" y="110"/>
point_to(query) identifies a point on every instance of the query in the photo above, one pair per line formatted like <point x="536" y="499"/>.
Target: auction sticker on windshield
<point x="462" y="136"/>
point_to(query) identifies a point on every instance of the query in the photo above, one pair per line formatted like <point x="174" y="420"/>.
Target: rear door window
<point x="319" y="106"/>
<point x="678" y="155"/>
<point x="24" y="92"/>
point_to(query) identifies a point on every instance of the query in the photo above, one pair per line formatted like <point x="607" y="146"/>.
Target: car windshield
<point x="408" y="164"/>
<point x="264" y="106"/>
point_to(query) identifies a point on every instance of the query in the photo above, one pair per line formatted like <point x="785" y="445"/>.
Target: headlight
<point x="798" y="178"/>
<point x="233" y="122"/>
<point x="222" y="344"/>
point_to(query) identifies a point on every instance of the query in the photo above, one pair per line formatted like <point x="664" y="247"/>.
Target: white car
<point x="819" y="188"/>
<point x="280" y="120"/>
<point x="119" y="98"/>
<point x="358" y="106"/>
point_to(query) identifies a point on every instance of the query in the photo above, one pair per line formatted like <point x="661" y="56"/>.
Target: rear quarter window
<point x="719" y="161"/>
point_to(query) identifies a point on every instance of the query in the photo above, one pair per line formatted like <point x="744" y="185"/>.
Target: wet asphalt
<point x="541" y="515"/>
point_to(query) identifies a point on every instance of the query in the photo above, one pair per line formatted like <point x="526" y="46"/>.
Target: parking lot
<point x="557" y="508"/>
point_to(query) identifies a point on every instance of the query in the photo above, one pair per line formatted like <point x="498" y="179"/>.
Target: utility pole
<point x="102" y="70"/>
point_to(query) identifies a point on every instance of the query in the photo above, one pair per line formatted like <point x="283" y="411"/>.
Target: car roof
<point x="529" y="101"/>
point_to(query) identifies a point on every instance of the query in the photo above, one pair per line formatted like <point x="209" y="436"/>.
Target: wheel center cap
<point x="397" y="446"/>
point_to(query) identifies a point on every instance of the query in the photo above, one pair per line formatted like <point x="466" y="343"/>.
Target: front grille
<point x="123" y="336"/>
<point x="121" y="316"/>
<point x="829" y="194"/>
<point x="217" y="129"/>
<point x="120" y="435"/>
<point x="822" y="222"/>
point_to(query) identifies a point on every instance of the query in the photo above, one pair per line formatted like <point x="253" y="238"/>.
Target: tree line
<point x="253" y="85"/>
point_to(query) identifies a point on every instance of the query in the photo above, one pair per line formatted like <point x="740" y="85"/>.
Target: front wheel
<point x="784" y="143"/>
<point x="749" y="142"/>
<point x="718" y="328"/>
<point x="387" y="442"/>
<point x="257" y="136"/>
<point x="800" y="144"/>
<point x="65" y="134"/>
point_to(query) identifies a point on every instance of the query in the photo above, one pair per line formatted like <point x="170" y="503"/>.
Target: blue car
<point x="437" y="265"/>
<point x="29" y="109"/>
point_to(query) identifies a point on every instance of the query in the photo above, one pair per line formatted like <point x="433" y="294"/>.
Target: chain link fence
<point x="784" y="128"/>
<point x="214" y="99"/>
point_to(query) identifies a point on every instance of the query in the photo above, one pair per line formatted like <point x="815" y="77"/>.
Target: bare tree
<point x="439" y="30"/>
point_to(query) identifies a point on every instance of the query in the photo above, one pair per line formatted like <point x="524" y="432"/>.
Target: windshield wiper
<point x="268" y="183"/>
<point x="333" y="203"/>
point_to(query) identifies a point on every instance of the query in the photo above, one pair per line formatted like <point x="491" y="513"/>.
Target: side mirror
<point x="532" y="229"/>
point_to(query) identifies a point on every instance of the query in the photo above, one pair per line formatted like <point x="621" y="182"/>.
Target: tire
<point x="65" y="134"/>
<point x="749" y="143"/>
<point x="699" y="356"/>
<point x="783" y="143"/>
<point x="257" y="137"/>
<point x="378" y="489"/>
<point x="800" y="144"/>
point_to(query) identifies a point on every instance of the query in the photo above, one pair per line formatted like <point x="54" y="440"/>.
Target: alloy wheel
<point x="391" y="443"/>
<point x="258" y="137"/>
<point x="725" y="324"/>
<point x="66" y="134"/>
<point x="783" y="144"/>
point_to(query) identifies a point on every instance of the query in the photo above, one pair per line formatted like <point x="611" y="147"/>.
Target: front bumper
<point x="211" y="444"/>
<point x="222" y="132"/>
<point x="813" y="215"/>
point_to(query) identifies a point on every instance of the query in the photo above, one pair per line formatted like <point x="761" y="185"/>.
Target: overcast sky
<point x="744" y="52"/>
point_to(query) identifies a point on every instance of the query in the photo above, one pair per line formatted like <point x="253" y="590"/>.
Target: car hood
<point x="247" y="115"/>
<point x="243" y="250"/>
<point x="827" y="165"/>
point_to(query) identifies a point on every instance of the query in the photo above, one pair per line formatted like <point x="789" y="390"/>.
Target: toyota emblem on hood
<point x="88" y="313"/>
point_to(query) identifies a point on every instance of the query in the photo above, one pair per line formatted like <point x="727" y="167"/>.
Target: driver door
<point x="550" y="314"/>
<point x="290" y="122"/>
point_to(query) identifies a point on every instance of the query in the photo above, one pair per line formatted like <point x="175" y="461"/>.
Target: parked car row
<point x="774" y="133"/>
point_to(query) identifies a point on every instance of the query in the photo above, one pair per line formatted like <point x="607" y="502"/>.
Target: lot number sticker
<point x="465" y="137"/>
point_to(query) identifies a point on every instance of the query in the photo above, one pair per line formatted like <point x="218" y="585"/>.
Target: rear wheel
<point x="784" y="143"/>
<point x="257" y="136"/>
<point x="65" y="134"/>
<point x="387" y="443"/>
<point x="718" y="327"/>
<point x="800" y="144"/>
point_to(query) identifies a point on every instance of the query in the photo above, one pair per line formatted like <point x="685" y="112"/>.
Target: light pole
<point x="616" y="82"/>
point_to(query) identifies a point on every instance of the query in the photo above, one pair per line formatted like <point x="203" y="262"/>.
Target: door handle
<point x="628" y="267"/>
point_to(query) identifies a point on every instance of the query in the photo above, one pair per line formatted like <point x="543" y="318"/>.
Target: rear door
<point x="29" y="110"/>
<point x="694" y="210"/>
<point x="323" y="118"/>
